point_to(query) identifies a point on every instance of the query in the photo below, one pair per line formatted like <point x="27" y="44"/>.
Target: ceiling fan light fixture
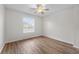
<point x="40" y="8"/>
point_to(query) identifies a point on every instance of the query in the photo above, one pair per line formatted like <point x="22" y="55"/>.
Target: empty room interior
<point x="39" y="28"/>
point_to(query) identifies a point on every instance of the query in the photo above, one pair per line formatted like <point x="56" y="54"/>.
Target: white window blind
<point x="28" y="24"/>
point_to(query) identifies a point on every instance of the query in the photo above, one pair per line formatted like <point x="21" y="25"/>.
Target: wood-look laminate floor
<point x="39" y="45"/>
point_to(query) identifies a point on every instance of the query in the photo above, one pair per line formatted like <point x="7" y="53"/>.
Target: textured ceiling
<point x="26" y="8"/>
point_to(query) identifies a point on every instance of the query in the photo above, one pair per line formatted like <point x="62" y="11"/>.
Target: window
<point x="28" y="25"/>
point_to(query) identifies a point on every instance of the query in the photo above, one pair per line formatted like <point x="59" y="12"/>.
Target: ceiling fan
<point x="40" y="8"/>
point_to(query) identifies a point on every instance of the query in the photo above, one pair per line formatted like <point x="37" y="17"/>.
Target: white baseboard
<point x="1" y="48"/>
<point x="20" y="38"/>
<point x="76" y="46"/>
<point x="58" y="39"/>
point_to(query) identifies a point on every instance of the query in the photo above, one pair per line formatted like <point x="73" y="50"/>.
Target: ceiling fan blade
<point x="46" y="9"/>
<point x="38" y="5"/>
<point x="42" y="12"/>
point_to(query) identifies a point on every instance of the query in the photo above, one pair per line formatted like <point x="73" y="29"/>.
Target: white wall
<point x="76" y="18"/>
<point x="14" y="26"/>
<point x="60" y="25"/>
<point x="63" y="25"/>
<point x="1" y="27"/>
